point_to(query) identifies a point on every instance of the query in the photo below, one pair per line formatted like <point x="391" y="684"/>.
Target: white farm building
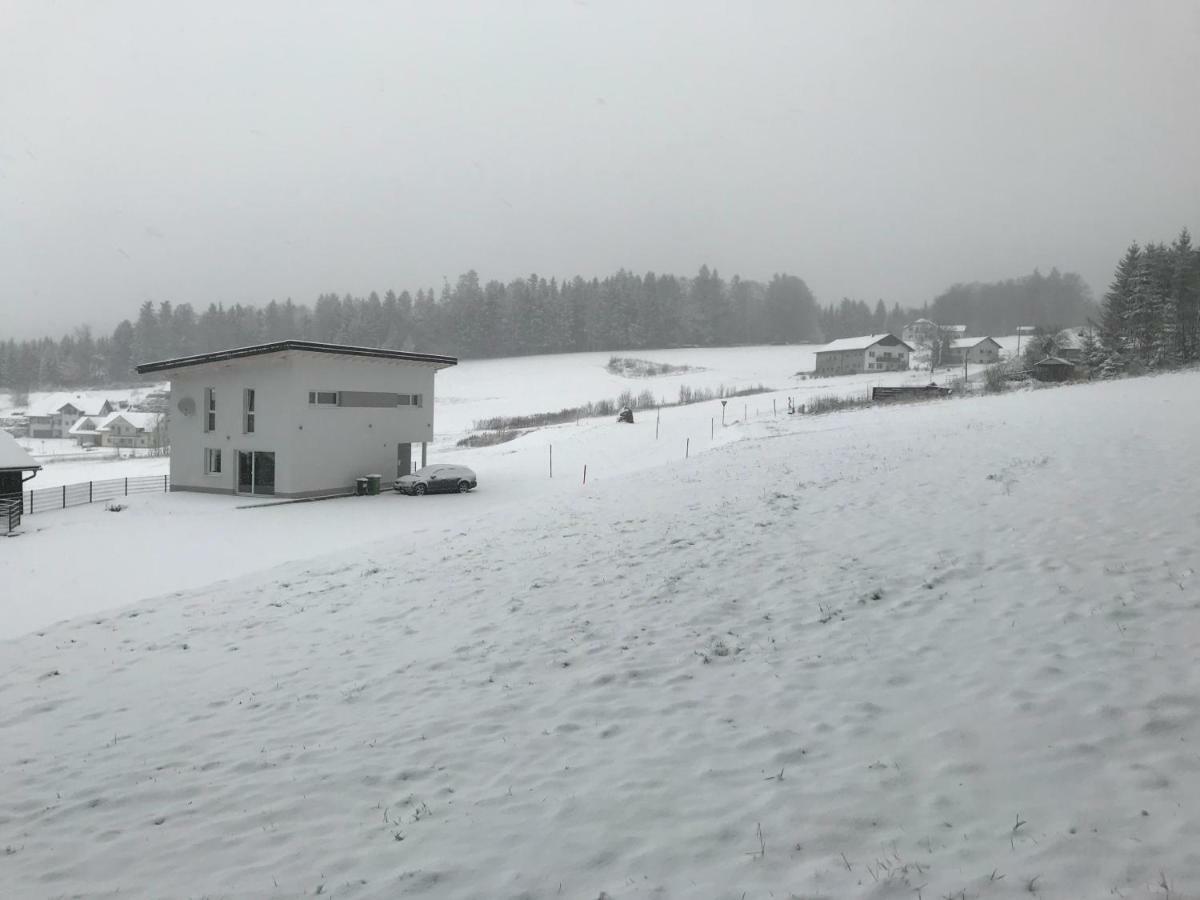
<point x="870" y="353"/>
<point x="976" y="351"/>
<point x="296" y="418"/>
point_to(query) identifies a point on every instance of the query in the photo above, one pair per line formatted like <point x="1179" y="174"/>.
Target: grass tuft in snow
<point x="631" y="367"/>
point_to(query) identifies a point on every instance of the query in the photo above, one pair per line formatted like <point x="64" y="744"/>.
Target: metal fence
<point x="45" y="499"/>
<point x="10" y="514"/>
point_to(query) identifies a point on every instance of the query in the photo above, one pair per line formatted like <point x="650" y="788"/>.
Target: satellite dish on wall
<point x="187" y="406"/>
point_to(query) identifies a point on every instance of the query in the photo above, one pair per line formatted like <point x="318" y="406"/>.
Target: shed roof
<point x="143" y="420"/>
<point x="862" y="343"/>
<point x="89" y="403"/>
<point x="200" y="359"/>
<point x="969" y="343"/>
<point x="13" y="455"/>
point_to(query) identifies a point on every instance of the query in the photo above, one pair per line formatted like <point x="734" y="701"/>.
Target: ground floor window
<point x="212" y="461"/>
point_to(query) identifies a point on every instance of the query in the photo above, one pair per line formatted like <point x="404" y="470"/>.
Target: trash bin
<point x="360" y="486"/>
<point x="373" y="484"/>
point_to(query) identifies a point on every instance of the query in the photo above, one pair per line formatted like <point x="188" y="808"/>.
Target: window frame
<point x="248" y="410"/>
<point x="314" y="398"/>
<point x="210" y="410"/>
<point x="211" y="455"/>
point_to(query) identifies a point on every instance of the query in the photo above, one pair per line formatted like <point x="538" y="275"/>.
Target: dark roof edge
<point x="283" y="346"/>
<point x="34" y="468"/>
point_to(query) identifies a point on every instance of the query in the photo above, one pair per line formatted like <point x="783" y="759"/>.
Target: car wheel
<point x="418" y="489"/>
<point x="464" y="486"/>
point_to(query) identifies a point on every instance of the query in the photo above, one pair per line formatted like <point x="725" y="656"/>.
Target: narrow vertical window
<point x="248" y="411"/>
<point x="416" y="400"/>
<point x="210" y="409"/>
<point x="212" y="461"/>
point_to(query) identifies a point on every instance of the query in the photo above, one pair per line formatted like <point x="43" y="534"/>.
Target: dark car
<point x="436" y="480"/>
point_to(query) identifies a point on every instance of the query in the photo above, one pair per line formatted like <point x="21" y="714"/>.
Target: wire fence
<point x="41" y="500"/>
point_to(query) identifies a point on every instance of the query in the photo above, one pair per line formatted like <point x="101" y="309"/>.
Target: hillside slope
<point x="912" y="652"/>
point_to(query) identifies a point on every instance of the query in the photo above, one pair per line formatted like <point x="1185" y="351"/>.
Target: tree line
<point x="473" y="319"/>
<point x="1150" y="316"/>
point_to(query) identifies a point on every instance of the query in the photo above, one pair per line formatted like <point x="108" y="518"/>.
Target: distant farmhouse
<point x="53" y="415"/>
<point x="976" y="351"/>
<point x="922" y="331"/>
<point x="870" y="353"/>
<point x="296" y="418"/>
<point x="122" y="428"/>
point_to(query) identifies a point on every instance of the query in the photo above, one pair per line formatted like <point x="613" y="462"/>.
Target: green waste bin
<point x="360" y="486"/>
<point x="373" y="484"/>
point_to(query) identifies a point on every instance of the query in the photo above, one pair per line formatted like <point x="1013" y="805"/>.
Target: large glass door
<point x="256" y="472"/>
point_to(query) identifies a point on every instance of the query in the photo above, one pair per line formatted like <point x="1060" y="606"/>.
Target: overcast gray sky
<point x="242" y="151"/>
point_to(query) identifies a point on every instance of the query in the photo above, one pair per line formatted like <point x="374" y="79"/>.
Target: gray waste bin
<point x="360" y="486"/>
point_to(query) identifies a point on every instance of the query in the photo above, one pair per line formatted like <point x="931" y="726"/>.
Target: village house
<point x="922" y="331"/>
<point x="976" y="351"/>
<point x="870" y="353"/>
<point x="53" y="415"/>
<point x="297" y="418"/>
<point x="132" y="429"/>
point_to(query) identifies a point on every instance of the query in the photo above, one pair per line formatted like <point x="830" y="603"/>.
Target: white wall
<point x="317" y="449"/>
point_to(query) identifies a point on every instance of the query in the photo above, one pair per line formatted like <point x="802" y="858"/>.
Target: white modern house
<point x="296" y="418"/>
<point x="870" y="353"/>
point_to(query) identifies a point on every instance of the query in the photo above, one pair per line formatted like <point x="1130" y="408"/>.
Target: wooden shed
<point x="1053" y="368"/>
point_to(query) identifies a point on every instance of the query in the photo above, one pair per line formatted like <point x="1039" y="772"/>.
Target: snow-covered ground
<point x="478" y="389"/>
<point x="923" y="651"/>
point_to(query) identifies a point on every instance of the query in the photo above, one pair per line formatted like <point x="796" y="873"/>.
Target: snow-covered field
<point x="936" y="650"/>
<point x="478" y="389"/>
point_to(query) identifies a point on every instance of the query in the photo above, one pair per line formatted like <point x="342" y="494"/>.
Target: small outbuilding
<point x="1053" y="368"/>
<point x="296" y="418"/>
<point x="16" y="466"/>
<point x="870" y="353"/>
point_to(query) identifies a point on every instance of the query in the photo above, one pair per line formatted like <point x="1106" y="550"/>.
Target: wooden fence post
<point x="64" y="496"/>
<point x="551" y="460"/>
<point x="90" y="483"/>
<point x="164" y="484"/>
<point x="126" y="485"/>
<point x="687" y="448"/>
<point x="585" y="473"/>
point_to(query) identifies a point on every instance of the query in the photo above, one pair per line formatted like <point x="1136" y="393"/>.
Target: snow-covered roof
<point x="48" y="405"/>
<point x="86" y="425"/>
<point x="1054" y="361"/>
<point x="968" y="343"/>
<point x="1069" y="339"/>
<point x="437" y="360"/>
<point x="860" y="343"/>
<point x="13" y="455"/>
<point x="142" y="420"/>
<point x="922" y="322"/>
<point x="955" y="329"/>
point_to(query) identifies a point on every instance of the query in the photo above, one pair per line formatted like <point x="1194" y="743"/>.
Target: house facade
<point x="870" y="353"/>
<point x="297" y="418"/>
<point x="131" y="429"/>
<point x="976" y="351"/>
<point x="922" y="331"/>
<point x="53" y="416"/>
